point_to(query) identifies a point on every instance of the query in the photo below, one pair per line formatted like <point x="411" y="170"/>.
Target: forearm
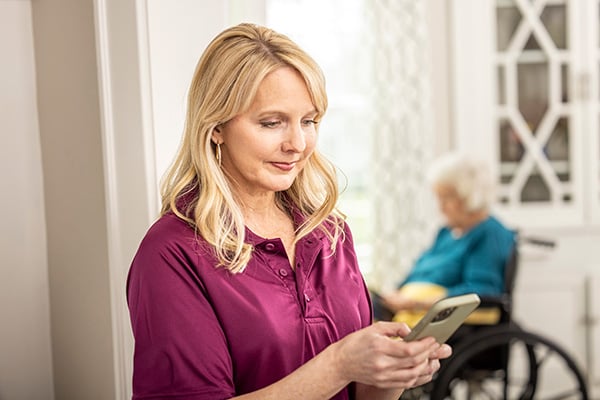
<point x="373" y="357"/>
<point x="481" y="284"/>
<point x="318" y="379"/>
<point x="366" y="392"/>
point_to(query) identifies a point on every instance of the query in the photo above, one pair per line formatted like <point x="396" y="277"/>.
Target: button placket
<point x="272" y="254"/>
<point x="307" y="253"/>
<point x="274" y="258"/>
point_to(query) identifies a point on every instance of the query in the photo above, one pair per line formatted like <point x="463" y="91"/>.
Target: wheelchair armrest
<point x="503" y="301"/>
<point x="491" y="311"/>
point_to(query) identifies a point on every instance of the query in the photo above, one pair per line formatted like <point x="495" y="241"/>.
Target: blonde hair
<point x="468" y="175"/>
<point x="224" y="85"/>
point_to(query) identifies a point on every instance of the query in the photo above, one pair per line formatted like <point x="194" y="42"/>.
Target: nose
<point x="295" y="139"/>
<point x="442" y="205"/>
<point x="445" y="206"/>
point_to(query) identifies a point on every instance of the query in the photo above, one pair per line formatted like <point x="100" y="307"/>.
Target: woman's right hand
<point x="377" y="356"/>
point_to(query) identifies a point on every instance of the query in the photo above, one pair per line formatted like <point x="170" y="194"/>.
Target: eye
<point x="308" y="122"/>
<point x="270" y="124"/>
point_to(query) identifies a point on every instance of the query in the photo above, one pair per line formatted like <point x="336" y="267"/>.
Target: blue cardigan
<point x="472" y="263"/>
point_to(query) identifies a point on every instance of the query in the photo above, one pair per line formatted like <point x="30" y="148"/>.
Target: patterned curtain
<point x="403" y="139"/>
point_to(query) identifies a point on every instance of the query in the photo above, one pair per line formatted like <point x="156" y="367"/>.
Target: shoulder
<point x="494" y="233"/>
<point x="335" y="239"/>
<point x="335" y="227"/>
<point x="443" y="234"/>
<point x="170" y="240"/>
<point x="168" y="226"/>
<point x="346" y="229"/>
<point x="167" y="231"/>
<point x="493" y="225"/>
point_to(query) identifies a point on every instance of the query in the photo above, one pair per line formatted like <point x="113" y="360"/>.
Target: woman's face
<point x="264" y="148"/>
<point x="451" y="205"/>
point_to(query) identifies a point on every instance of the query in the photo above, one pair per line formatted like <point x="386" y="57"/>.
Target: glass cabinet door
<point x="534" y="113"/>
<point x="536" y="66"/>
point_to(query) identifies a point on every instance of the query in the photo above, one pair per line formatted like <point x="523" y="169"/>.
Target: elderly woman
<point x="248" y="286"/>
<point x="469" y="253"/>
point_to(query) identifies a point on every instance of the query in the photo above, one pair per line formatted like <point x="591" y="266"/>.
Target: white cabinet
<point x="526" y="95"/>
<point x="563" y="306"/>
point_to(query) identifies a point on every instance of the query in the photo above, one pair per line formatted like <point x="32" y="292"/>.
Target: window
<point x="377" y="128"/>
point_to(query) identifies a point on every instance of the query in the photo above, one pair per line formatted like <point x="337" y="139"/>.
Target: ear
<point x="217" y="136"/>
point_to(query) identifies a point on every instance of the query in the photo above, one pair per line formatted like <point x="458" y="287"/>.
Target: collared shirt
<point x="202" y="332"/>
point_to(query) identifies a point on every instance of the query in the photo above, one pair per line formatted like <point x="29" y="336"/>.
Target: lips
<point x="284" y="166"/>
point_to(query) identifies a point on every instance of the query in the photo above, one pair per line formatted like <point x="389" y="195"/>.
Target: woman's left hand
<point x="444" y="351"/>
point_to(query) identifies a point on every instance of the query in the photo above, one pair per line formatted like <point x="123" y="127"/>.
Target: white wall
<point x="175" y="40"/>
<point x="74" y="198"/>
<point x="25" y="361"/>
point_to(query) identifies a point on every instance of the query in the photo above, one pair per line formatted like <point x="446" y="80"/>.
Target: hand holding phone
<point x="444" y="318"/>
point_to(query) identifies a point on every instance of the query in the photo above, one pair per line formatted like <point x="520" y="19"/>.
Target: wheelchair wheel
<point x="505" y="362"/>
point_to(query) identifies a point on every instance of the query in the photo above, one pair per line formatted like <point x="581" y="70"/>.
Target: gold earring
<point x="218" y="154"/>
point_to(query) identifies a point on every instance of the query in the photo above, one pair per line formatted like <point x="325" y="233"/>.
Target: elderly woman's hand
<point x="397" y="301"/>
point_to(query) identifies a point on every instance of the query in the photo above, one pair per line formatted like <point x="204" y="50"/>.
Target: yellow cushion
<point x="420" y="291"/>
<point x="484" y="316"/>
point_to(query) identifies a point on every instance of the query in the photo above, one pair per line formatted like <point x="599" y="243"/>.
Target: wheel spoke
<point x="545" y="356"/>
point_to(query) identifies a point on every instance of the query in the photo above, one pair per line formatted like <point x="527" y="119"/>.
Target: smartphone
<point x="444" y="317"/>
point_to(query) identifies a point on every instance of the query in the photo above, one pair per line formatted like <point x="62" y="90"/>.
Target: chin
<point x="281" y="185"/>
<point x="282" y="188"/>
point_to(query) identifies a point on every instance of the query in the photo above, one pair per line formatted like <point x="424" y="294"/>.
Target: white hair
<point x="469" y="176"/>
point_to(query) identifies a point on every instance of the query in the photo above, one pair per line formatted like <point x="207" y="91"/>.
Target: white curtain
<point x="403" y="139"/>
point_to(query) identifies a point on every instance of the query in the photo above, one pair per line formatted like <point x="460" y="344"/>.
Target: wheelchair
<point x="503" y="360"/>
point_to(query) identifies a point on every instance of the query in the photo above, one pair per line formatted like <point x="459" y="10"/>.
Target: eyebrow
<point x="271" y="112"/>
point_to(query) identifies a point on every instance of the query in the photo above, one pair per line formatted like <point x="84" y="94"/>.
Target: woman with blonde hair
<point x="248" y="286"/>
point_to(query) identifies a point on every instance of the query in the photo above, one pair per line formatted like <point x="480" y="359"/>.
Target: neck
<point x="263" y="214"/>
<point x="260" y="204"/>
<point x="470" y="221"/>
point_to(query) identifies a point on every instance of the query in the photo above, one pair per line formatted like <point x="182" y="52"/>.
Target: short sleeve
<point x="181" y="351"/>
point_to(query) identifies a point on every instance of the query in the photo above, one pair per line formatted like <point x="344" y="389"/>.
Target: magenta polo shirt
<point x="202" y="332"/>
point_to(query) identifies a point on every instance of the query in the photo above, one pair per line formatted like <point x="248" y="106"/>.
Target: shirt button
<point x="283" y="272"/>
<point x="270" y="247"/>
